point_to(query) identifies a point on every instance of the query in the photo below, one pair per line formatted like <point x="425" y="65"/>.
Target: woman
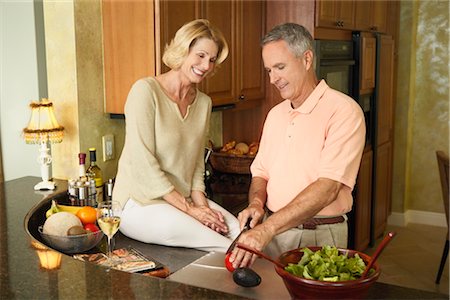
<point x="160" y="179"/>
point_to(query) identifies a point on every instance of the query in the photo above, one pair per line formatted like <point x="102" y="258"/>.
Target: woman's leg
<point x="166" y="225"/>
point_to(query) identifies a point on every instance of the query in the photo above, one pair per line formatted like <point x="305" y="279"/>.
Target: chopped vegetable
<point x="327" y="264"/>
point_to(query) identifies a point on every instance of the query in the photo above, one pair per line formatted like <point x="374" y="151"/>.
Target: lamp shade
<point x="43" y="125"/>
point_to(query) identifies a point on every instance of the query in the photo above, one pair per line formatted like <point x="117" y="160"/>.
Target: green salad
<point x="327" y="264"/>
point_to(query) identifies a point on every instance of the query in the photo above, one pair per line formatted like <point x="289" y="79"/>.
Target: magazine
<point x="128" y="260"/>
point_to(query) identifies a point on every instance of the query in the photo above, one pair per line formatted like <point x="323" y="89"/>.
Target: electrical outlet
<point x="108" y="147"/>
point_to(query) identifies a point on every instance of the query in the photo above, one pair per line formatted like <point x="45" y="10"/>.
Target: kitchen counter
<point x="195" y="274"/>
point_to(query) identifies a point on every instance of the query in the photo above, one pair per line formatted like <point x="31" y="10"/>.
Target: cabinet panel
<point x="379" y="16"/>
<point x="385" y="90"/>
<point x="382" y="188"/>
<point x="367" y="80"/>
<point x="363" y="9"/>
<point x="363" y="203"/>
<point x="222" y="86"/>
<point x="252" y="76"/>
<point x="128" y="55"/>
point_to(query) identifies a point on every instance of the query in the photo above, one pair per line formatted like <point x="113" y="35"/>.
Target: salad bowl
<point x="302" y="288"/>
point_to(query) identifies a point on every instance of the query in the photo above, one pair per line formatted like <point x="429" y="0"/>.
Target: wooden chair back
<point x="443" y="165"/>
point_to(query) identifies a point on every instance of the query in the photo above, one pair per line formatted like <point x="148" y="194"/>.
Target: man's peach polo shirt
<point x="324" y="137"/>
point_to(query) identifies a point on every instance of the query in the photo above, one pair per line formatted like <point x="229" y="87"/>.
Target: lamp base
<point x="45" y="185"/>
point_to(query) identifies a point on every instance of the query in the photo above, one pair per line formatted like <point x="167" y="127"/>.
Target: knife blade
<point x="244" y="229"/>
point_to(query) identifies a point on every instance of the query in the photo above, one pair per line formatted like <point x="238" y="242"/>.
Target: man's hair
<point x="296" y="36"/>
<point x="186" y="37"/>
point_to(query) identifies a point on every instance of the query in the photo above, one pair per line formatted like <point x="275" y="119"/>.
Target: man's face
<point x="286" y="71"/>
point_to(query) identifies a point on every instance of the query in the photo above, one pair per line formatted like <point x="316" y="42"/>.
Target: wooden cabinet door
<point x="371" y="15"/>
<point x="251" y="77"/>
<point x="385" y="90"/>
<point x="368" y="55"/>
<point x="222" y="86"/>
<point x="379" y="15"/>
<point x="173" y="15"/>
<point x="335" y="14"/>
<point x="129" y="48"/>
<point x="363" y="203"/>
<point x="383" y="184"/>
<point x="363" y="11"/>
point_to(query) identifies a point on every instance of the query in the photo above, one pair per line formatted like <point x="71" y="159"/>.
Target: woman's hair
<point x="186" y="37"/>
<point x="296" y="36"/>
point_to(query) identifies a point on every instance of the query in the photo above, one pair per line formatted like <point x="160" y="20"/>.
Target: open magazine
<point x="128" y="260"/>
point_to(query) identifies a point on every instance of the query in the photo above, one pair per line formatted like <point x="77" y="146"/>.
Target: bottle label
<point x="98" y="182"/>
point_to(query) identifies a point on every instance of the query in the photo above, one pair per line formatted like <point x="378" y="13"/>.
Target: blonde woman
<point x="160" y="181"/>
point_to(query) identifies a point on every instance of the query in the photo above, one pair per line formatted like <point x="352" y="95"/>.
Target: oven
<point x="335" y="63"/>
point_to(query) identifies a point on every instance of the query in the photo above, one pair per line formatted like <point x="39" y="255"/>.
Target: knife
<point x="233" y="244"/>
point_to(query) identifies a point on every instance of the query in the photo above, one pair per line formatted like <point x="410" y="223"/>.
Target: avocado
<point x="246" y="277"/>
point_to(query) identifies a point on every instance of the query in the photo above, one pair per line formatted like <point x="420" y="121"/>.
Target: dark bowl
<point x="73" y="243"/>
<point x="301" y="288"/>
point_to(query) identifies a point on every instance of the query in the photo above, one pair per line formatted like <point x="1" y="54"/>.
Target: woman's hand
<point x="207" y="216"/>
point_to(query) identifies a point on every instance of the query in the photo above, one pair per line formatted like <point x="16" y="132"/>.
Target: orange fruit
<point x="87" y="215"/>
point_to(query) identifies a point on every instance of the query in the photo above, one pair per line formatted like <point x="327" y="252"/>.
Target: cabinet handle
<point x="339" y="23"/>
<point x="241" y="97"/>
<point x="374" y="28"/>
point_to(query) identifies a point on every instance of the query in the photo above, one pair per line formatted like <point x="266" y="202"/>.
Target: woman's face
<point x="200" y="60"/>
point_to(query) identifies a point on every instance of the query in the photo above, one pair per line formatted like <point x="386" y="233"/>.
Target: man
<point x="309" y="155"/>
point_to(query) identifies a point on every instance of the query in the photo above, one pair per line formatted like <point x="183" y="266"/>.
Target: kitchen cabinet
<point x="385" y="90"/>
<point x="368" y="61"/>
<point x="335" y="14"/>
<point x="371" y="15"/>
<point x="368" y="15"/>
<point x="383" y="186"/>
<point x="384" y="138"/>
<point x="362" y="208"/>
<point x="240" y="78"/>
<point x="129" y="48"/>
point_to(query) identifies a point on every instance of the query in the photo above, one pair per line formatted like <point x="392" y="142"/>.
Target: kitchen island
<point x="195" y="274"/>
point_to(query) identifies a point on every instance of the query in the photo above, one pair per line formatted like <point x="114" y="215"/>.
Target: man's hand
<point x="254" y="212"/>
<point x="256" y="238"/>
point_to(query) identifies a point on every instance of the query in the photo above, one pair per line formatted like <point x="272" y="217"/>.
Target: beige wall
<point x="75" y="79"/>
<point x="421" y="117"/>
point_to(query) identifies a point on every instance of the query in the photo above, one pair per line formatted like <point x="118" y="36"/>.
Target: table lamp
<point x="42" y="129"/>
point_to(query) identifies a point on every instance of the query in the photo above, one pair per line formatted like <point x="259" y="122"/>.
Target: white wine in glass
<point x="108" y="218"/>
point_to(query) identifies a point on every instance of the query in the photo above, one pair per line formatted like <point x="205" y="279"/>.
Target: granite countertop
<point x="23" y="277"/>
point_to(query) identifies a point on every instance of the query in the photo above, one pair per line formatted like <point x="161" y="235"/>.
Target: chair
<point x="443" y="165"/>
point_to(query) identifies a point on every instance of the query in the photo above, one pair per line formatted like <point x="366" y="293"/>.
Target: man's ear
<point x="309" y="59"/>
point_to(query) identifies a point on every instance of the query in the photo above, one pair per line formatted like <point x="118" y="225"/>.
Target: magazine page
<point x="124" y="259"/>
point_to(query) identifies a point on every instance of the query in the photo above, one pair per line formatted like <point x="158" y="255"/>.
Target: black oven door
<point x="337" y="74"/>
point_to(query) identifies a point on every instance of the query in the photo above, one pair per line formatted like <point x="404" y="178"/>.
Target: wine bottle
<point x="82" y="167"/>
<point x="94" y="172"/>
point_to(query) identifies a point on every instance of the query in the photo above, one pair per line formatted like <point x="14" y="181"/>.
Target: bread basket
<point x="231" y="163"/>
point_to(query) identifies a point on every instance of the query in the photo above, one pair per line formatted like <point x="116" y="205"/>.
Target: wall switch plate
<point x="108" y="147"/>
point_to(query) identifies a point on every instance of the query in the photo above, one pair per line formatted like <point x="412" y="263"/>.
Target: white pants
<point x="164" y="224"/>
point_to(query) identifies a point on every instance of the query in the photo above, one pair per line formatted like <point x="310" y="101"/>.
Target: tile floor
<point x="412" y="258"/>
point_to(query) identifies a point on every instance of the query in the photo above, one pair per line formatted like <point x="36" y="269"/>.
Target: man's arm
<point x="304" y="206"/>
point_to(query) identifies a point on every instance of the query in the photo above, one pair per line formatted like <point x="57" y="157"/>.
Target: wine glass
<point x="108" y="218"/>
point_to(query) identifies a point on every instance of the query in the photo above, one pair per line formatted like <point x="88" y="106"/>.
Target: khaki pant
<point x="330" y="234"/>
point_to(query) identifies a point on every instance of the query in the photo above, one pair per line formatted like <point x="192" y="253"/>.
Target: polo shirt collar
<point x="312" y="100"/>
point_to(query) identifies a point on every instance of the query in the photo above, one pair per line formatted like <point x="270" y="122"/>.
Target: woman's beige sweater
<point x="163" y="151"/>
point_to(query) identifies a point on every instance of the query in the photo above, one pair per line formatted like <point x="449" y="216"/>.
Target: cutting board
<point x="209" y="272"/>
